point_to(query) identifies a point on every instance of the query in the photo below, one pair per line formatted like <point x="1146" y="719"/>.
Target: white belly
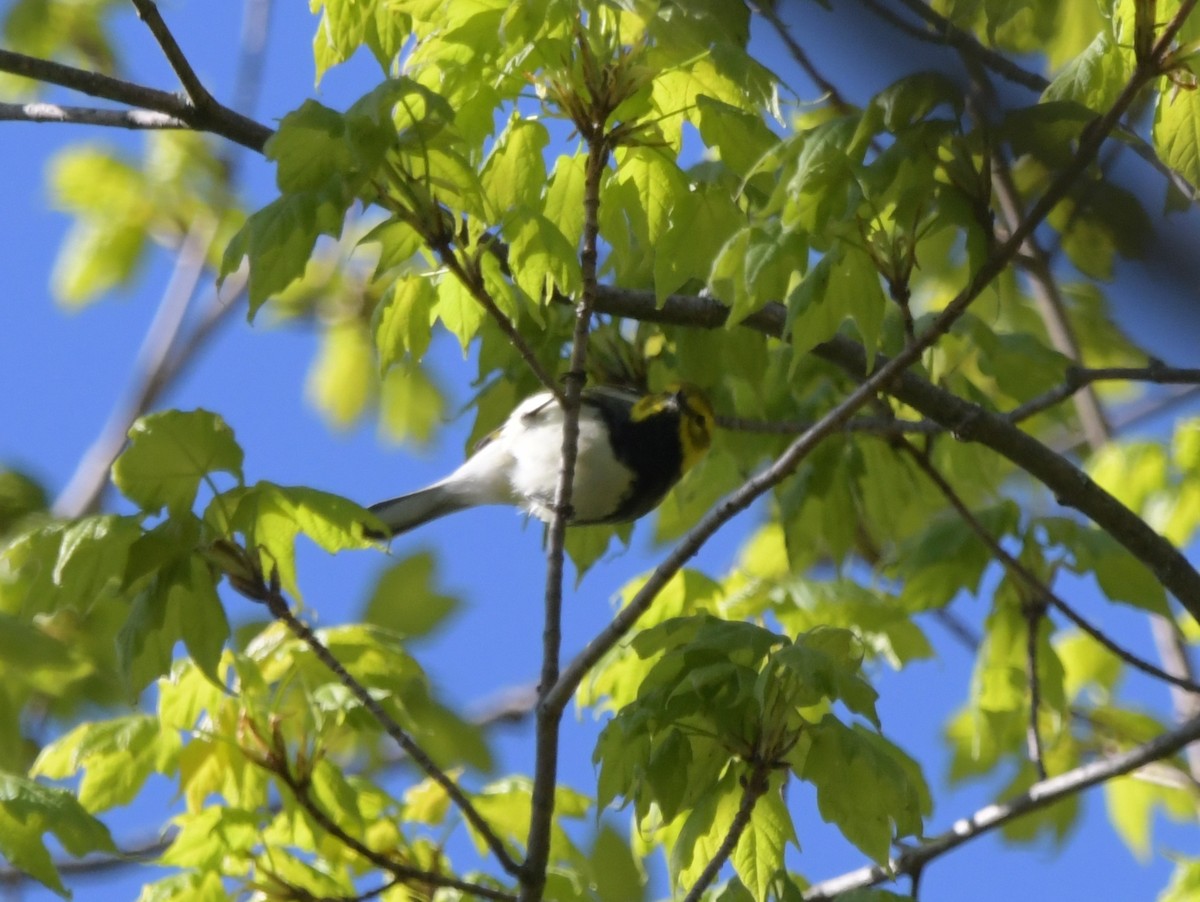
<point x="600" y="480"/>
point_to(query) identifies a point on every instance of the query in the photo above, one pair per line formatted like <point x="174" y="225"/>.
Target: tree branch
<point x="990" y="817"/>
<point x="548" y="717"/>
<point x="754" y="787"/>
<point x="275" y="762"/>
<point x="824" y="85"/>
<point x="887" y="374"/>
<point x="80" y="115"/>
<point x="147" y="11"/>
<point x="946" y="32"/>
<point x="86" y="485"/>
<point x="216" y="119"/>
<point x="967" y="421"/>
<point x="1040" y="590"/>
<point x="278" y="607"/>
<point x="1078" y="378"/>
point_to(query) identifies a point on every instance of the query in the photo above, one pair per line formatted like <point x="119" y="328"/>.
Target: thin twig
<point x="754" y="786"/>
<point x="990" y="817"/>
<point x="40" y="111"/>
<point x="148" y="12"/>
<point x="278" y="607"/>
<point x="1079" y="377"/>
<point x="473" y="282"/>
<point x="1050" y="305"/>
<point x="1031" y="581"/>
<point x="864" y="424"/>
<point x="549" y="717"/>
<point x="824" y="85"/>
<point x="946" y="32"/>
<point x="280" y="767"/>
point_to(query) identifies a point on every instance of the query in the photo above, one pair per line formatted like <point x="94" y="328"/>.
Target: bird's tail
<point x="409" y="511"/>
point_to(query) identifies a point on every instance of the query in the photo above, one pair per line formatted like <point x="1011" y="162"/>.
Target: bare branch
<point x="80" y="115"/>
<point x="1078" y="378"/>
<point x="599" y="148"/>
<point x="863" y="424"/>
<point x="946" y="32"/>
<point x="990" y="817"/>
<point x="824" y="85"/>
<point x="216" y="119"/>
<point x="1050" y="305"/>
<point x="147" y="11"/>
<point x="473" y="282"/>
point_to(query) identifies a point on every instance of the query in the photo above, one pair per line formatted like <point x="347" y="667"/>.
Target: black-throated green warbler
<point x="632" y="450"/>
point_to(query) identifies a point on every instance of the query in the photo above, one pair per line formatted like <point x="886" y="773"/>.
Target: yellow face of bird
<point x="696" y="420"/>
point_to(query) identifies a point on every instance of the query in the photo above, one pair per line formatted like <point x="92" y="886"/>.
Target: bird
<point x="632" y="449"/>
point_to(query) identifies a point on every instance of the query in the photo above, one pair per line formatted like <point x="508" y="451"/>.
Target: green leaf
<point x="201" y="609"/>
<point x="411" y="406"/>
<point x="117" y="757"/>
<point x="705" y="827"/>
<point x="402" y="321"/>
<point x="169" y="454"/>
<point x="208" y="836"/>
<point x="272" y="516"/>
<point x="843" y="284"/>
<point x="91" y="560"/>
<point x="114" y="212"/>
<point x="28" y="810"/>
<point x="20" y="496"/>
<point x="405" y="598"/>
<point x="1120" y="575"/>
<point x="190" y="886"/>
<point x="1177" y="132"/>
<point x="827" y="663"/>
<point x="514" y="174"/>
<point x="865" y="785"/>
<point x="458" y="310"/>
<point x="146" y="641"/>
<point x="741" y="137"/>
<point x="1185" y="882"/>
<point x="543" y="260"/>
<point x="341" y="379"/>
<point x="31" y="656"/>
<point x="617" y="871"/>
<point x="647" y="186"/>
<point x="279" y="239"/>
<point x="914" y="97"/>
<point x="758" y="855"/>
<point x="1095" y="77"/>
<point x="563" y="204"/>
<point x="310" y="148"/>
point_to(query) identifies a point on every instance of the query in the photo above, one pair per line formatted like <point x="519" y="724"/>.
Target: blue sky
<point x="64" y="370"/>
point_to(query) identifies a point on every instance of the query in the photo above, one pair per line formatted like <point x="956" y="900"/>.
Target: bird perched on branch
<point x="632" y="449"/>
